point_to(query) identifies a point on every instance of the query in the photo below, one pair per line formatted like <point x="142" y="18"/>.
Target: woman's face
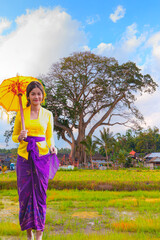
<point x="36" y="96"/>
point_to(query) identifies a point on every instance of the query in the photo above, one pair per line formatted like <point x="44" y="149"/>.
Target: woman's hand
<point x="22" y="135"/>
<point x="53" y="150"/>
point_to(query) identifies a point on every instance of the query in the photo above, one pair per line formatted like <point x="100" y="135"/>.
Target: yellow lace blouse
<point x="40" y="127"/>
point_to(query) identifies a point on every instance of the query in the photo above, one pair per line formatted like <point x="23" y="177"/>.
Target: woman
<point x="35" y="165"/>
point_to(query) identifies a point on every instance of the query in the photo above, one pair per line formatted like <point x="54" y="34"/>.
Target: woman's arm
<point x="17" y="128"/>
<point x="18" y="134"/>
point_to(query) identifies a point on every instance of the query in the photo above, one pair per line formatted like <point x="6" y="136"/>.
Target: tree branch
<point x="118" y="123"/>
<point x="105" y="115"/>
<point x="65" y="139"/>
<point x="63" y="127"/>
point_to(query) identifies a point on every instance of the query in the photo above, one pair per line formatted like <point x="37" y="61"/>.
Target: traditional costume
<point x="35" y="165"/>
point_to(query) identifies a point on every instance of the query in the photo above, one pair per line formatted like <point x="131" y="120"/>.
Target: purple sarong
<point x="32" y="182"/>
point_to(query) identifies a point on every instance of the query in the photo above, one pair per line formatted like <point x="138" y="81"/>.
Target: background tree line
<point x="115" y="147"/>
<point x="142" y="142"/>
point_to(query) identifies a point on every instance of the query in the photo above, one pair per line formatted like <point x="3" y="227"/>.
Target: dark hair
<point x="30" y="87"/>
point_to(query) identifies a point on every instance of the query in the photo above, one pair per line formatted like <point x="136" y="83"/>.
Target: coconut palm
<point x="90" y="147"/>
<point x="106" y="141"/>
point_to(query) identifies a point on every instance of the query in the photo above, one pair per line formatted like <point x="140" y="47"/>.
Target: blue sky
<point x="34" y="34"/>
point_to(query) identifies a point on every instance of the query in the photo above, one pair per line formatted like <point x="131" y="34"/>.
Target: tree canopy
<point x="86" y="91"/>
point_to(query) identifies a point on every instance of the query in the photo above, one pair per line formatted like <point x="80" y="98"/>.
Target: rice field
<point x="121" y="175"/>
<point x="113" y="180"/>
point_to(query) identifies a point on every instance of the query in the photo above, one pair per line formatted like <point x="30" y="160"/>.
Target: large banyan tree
<point x="86" y="91"/>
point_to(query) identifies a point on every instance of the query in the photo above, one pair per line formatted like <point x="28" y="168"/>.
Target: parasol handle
<point x="21" y="110"/>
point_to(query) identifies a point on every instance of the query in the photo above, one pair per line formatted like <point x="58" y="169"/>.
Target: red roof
<point x="132" y="152"/>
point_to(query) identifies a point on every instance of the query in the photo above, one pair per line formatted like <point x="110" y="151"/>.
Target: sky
<point x="34" y="34"/>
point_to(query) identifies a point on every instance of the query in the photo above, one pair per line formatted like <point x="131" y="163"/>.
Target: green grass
<point x="105" y="236"/>
<point x="88" y="214"/>
<point x="9" y="176"/>
<point x="94" y="236"/>
<point x="9" y="228"/>
<point x="74" y="214"/>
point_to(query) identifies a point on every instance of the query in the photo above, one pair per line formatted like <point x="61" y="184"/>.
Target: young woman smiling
<point x="36" y="161"/>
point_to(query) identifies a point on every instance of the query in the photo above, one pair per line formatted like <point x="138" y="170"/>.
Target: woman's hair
<point x="30" y="87"/>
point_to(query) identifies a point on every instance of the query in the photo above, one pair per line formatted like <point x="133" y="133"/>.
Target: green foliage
<point x="64" y="150"/>
<point x="122" y="157"/>
<point x="126" y="141"/>
<point x="106" y="141"/>
<point x="102" y="151"/>
<point x="128" y="162"/>
<point x="90" y="146"/>
<point x="148" y="141"/>
<point x="8" y="133"/>
<point x="142" y="142"/>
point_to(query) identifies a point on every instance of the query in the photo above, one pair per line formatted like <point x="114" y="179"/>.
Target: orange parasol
<point x="13" y="94"/>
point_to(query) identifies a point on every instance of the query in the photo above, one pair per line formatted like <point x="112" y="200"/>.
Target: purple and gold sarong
<point x="32" y="181"/>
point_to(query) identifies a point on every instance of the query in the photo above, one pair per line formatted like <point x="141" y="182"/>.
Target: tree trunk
<point x="80" y="154"/>
<point x="80" y="149"/>
<point x="73" y="151"/>
<point x="107" y="158"/>
<point x="91" y="162"/>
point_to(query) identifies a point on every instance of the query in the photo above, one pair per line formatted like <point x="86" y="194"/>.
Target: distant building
<point x="132" y="154"/>
<point x="5" y="160"/>
<point x="100" y="161"/>
<point x="99" y="157"/>
<point x="152" y="155"/>
<point x="152" y="160"/>
<point x="3" y="156"/>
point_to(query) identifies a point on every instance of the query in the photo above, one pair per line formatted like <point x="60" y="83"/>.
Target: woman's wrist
<point x="20" y="138"/>
<point x="53" y="149"/>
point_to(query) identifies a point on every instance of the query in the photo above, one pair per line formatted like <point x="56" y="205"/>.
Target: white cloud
<point x="149" y="106"/>
<point x="118" y="14"/>
<point x="104" y="49"/>
<point x="4" y="24"/>
<point x="41" y="37"/>
<point x="92" y="20"/>
<point x="130" y="39"/>
<point x="127" y="48"/>
<point x="85" y="48"/>
<point x="154" y="43"/>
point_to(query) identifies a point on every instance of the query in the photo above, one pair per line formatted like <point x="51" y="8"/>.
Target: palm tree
<point x="90" y="147"/>
<point x="106" y="141"/>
